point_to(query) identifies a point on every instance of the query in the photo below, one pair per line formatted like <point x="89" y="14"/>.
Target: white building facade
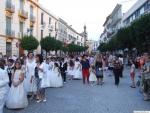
<point x="27" y="17"/>
<point x="140" y="8"/>
<point x="112" y="24"/>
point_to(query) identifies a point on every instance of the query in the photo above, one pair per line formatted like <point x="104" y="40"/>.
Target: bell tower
<point x="85" y="35"/>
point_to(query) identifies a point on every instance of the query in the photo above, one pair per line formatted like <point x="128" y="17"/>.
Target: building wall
<point x="52" y="28"/>
<point x="139" y="8"/>
<point x="15" y="23"/>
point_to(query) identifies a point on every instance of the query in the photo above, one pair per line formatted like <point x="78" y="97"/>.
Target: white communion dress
<point x="17" y="97"/>
<point x="77" y="70"/>
<point x="92" y="77"/>
<point x="56" y="80"/>
<point x="30" y="86"/>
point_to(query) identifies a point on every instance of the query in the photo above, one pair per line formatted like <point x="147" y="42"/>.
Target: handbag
<point x="147" y="76"/>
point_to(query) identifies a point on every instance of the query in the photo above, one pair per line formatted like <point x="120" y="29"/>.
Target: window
<point x="8" y="26"/>
<point x="21" y="28"/>
<point x="21" y="4"/>
<point x="49" y="20"/>
<point x="8" y="49"/>
<point x="31" y="31"/>
<point x="141" y="10"/>
<point x="31" y="11"/>
<point x="55" y="25"/>
<point x="148" y="4"/>
<point x="137" y="13"/>
<point x="42" y="18"/>
<point x="41" y="33"/>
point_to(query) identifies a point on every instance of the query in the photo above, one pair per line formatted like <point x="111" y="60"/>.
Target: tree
<point x="47" y="43"/>
<point x="29" y="43"/>
<point x="141" y="32"/>
<point x="58" y="45"/>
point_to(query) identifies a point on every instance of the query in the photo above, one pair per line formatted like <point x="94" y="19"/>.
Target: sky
<point x="91" y="13"/>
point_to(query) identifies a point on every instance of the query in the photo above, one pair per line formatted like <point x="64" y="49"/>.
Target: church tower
<point x="85" y="35"/>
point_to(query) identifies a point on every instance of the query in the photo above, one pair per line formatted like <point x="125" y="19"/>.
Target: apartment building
<point x="112" y="24"/>
<point x="139" y="8"/>
<point x="27" y="17"/>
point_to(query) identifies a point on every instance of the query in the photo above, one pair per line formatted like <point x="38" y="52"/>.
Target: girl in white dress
<point x="50" y="71"/>
<point x="4" y="80"/>
<point x="57" y="78"/>
<point x="17" y="97"/>
<point x="70" y="69"/>
<point x="45" y="79"/>
<point x="77" y="70"/>
<point x="92" y="77"/>
<point x="30" y="82"/>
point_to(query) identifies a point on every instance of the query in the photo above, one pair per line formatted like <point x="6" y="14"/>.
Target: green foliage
<point x="136" y="35"/>
<point x="29" y="43"/>
<point x="49" y="43"/>
<point x="75" y="48"/>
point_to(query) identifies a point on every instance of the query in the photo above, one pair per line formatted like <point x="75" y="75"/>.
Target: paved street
<point x="75" y="97"/>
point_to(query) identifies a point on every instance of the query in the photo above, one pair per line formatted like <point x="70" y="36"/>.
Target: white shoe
<point x="44" y="100"/>
<point x="38" y="101"/>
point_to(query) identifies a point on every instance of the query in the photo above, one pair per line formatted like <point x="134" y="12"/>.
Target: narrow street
<point x="75" y="97"/>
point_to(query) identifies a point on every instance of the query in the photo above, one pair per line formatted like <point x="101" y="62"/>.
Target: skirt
<point x="85" y="73"/>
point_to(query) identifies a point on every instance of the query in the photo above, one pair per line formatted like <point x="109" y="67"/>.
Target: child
<point x="58" y="81"/>
<point x="10" y="68"/>
<point x="132" y="74"/>
<point x="17" y="97"/>
<point x="92" y="78"/>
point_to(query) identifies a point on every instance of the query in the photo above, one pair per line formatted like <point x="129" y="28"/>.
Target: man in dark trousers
<point x="63" y="69"/>
<point x="10" y="70"/>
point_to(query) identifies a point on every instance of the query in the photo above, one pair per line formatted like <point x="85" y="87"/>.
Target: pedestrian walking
<point x="99" y="70"/>
<point x="146" y="77"/>
<point x="116" y="70"/>
<point x="85" y="69"/>
<point x="39" y="74"/>
<point x="132" y="73"/>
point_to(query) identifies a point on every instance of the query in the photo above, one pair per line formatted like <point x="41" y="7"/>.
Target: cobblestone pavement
<point x="75" y="97"/>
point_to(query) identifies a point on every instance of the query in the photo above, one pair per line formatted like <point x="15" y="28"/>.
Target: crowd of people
<point x="27" y="78"/>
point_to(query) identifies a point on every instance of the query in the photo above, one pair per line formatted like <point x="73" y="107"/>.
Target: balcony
<point x="23" y="14"/>
<point x="9" y="7"/>
<point x="10" y="33"/>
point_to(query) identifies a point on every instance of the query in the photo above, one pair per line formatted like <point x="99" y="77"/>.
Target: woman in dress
<point x="30" y="82"/>
<point x="40" y="76"/>
<point x="57" y="80"/>
<point x="77" y="68"/>
<point x="70" y="69"/>
<point x="4" y="80"/>
<point x="99" y="70"/>
<point x="17" y="97"/>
